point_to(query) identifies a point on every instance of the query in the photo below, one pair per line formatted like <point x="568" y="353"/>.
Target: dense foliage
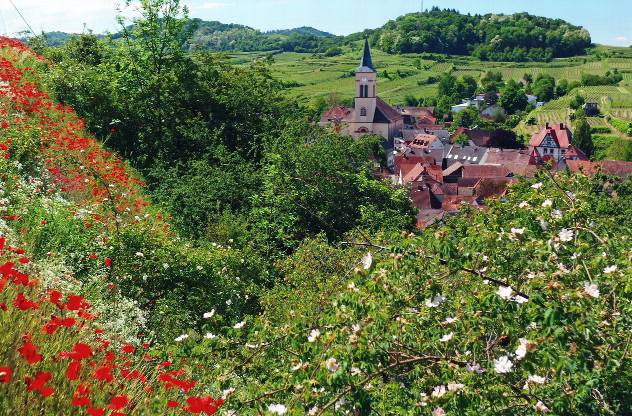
<point x="518" y="37"/>
<point x="446" y="322"/>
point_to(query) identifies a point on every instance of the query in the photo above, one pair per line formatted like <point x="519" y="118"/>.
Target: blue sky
<point x="609" y="21"/>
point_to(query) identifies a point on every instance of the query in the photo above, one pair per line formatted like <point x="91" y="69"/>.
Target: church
<point x="370" y="114"/>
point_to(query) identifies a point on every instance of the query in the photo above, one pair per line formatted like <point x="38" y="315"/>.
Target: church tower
<point x="366" y="93"/>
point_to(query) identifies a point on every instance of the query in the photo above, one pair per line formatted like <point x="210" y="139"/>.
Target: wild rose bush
<point x="521" y="309"/>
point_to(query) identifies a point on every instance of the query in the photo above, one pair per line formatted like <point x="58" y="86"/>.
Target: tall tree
<point x="513" y="98"/>
<point x="582" y="139"/>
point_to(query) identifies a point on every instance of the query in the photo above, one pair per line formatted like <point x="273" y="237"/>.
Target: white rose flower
<point x="521" y="351"/>
<point x="566" y="235"/>
<point x="503" y="365"/>
<point x="332" y="364"/>
<point x="504" y="292"/>
<point x="277" y="409"/>
<point x="436" y="301"/>
<point x="447" y="337"/>
<point x="439" y="391"/>
<point x="540" y="407"/>
<point x="313" y="335"/>
<point x="438" y="412"/>
<point x="591" y="289"/>
<point x="367" y="261"/>
<point x="455" y="386"/>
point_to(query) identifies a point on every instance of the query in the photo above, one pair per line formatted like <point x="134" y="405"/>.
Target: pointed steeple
<point x="366" y="64"/>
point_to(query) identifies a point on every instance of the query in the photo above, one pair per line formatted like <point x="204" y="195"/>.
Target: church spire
<point x="366" y="64"/>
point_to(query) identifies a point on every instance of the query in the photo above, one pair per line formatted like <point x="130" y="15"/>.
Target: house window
<point x="363" y="112"/>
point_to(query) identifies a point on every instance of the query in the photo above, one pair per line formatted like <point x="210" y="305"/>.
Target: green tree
<point x="582" y="139"/>
<point x="513" y="98"/>
<point x="544" y="87"/>
<point x="468" y="117"/>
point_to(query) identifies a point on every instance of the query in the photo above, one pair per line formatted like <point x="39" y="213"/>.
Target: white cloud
<point x="622" y="39"/>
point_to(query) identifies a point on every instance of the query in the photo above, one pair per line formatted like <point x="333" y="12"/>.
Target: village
<point x="446" y="166"/>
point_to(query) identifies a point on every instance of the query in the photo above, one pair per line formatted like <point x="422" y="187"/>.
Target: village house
<point x="370" y="114"/>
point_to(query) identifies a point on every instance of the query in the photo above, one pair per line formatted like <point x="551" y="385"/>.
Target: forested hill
<point x="518" y="37"/>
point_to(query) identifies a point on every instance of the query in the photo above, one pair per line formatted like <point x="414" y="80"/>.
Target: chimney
<point x="547" y="125"/>
<point x="561" y="126"/>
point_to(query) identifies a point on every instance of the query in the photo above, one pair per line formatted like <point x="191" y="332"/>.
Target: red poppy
<point x="39" y="383"/>
<point x="104" y="373"/>
<point x="128" y="349"/>
<point x="172" y="404"/>
<point x="118" y="402"/>
<point x="5" y="374"/>
<point x="108" y="262"/>
<point x="81" y="396"/>
<point x="92" y="411"/>
<point x="74" y="370"/>
<point x="28" y="351"/>
<point x="22" y="303"/>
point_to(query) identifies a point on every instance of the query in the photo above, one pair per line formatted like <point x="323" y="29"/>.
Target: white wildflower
<point x="355" y="371"/>
<point x="181" y="338"/>
<point x="610" y="269"/>
<point x="436" y="301"/>
<point x="367" y="261"/>
<point x="537" y="185"/>
<point x="239" y="325"/>
<point x="313" y="335"/>
<point x="505" y="292"/>
<point x="439" y="391"/>
<point x="547" y="203"/>
<point x="449" y="321"/>
<point x="277" y="409"/>
<point x="313" y="411"/>
<point x="332" y="364"/>
<point x="229" y="302"/>
<point x="210" y="335"/>
<point x="566" y="235"/>
<point x="351" y="286"/>
<point x="209" y="315"/>
<point x="447" y="337"/>
<point x="563" y="268"/>
<point x="139" y="254"/>
<point x="356" y="328"/>
<point x="591" y="289"/>
<point x="503" y="365"/>
<point x="517" y="231"/>
<point x="523" y="204"/>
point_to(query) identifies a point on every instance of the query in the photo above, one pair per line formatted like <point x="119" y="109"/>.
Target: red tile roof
<point x="336" y="114"/>
<point x="609" y="167"/>
<point x="485" y="171"/>
<point x="559" y="132"/>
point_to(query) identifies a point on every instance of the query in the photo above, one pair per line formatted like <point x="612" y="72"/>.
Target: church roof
<point x="384" y="113"/>
<point x="366" y="64"/>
